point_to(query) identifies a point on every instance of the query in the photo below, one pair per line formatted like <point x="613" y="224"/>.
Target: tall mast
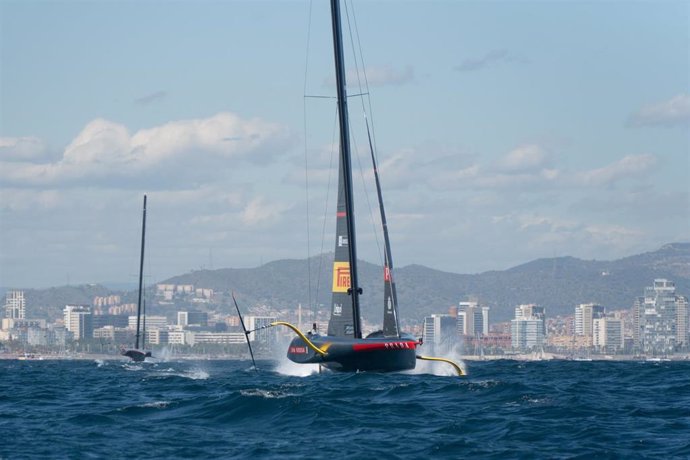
<point x="345" y="162"/>
<point x="141" y="272"/>
<point x="391" y="327"/>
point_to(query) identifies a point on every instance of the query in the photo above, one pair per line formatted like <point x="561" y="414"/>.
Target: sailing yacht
<point x="136" y="354"/>
<point x="344" y="348"/>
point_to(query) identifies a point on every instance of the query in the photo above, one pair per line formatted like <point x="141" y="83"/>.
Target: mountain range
<point x="557" y="283"/>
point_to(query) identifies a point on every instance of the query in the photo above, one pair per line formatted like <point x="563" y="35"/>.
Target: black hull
<point x="351" y="355"/>
<point x="136" y="355"/>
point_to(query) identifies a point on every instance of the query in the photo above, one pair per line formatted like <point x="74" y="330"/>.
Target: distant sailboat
<point x="136" y="354"/>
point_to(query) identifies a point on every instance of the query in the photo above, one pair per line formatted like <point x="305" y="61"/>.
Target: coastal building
<point x="157" y="336"/>
<point x="15" y="305"/>
<point x="607" y="334"/>
<point x="79" y="321"/>
<point x="472" y="319"/>
<point x="192" y="318"/>
<point x="178" y="337"/>
<point x="152" y="322"/>
<point x="660" y="319"/>
<point x="112" y="334"/>
<point x="121" y="321"/>
<point x="222" y="338"/>
<point x="264" y="336"/>
<point x="528" y="329"/>
<point x="584" y="316"/>
<point x="106" y="301"/>
<point x="440" y="330"/>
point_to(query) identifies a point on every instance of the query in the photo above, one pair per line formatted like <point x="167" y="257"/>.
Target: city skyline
<point x="514" y="131"/>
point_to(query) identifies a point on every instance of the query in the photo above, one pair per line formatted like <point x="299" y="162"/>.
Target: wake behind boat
<point x="136" y="354"/>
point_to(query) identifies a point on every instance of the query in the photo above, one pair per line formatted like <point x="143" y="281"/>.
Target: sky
<point x="505" y="131"/>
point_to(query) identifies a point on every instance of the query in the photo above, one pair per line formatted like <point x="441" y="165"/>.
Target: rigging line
<point x="359" y="82"/>
<point x="308" y="96"/>
<point x="366" y="81"/>
<point x="366" y="196"/>
<point x="325" y="211"/>
<point x="306" y="162"/>
<point x="373" y="150"/>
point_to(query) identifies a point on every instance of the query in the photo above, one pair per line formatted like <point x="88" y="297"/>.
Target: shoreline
<point x="470" y="358"/>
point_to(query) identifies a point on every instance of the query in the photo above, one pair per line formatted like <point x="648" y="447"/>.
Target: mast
<point x="354" y="290"/>
<point x="141" y="273"/>
<point x="391" y="327"/>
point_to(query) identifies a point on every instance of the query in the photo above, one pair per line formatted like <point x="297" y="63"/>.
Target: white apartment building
<point x="78" y="321"/>
<point x="15" y="305"/>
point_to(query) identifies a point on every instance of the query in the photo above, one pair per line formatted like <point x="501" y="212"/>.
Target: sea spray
<point x="286" y="367"/>
<point x="451" y="352"/>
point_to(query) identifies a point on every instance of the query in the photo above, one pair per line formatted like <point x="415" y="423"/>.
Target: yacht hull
<point x="376" y="354"/>
<point x="136" y="355"/>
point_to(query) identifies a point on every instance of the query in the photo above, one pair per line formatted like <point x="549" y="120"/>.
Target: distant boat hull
<point x="136" y="355"/>
<point x="373" y="354"/>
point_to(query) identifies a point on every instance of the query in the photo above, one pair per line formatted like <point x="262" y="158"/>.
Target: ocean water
<point x="224" y="409"/>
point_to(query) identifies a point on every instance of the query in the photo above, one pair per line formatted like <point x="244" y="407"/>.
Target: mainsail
<point x="345" y="280"/>
<point x="342" y="320"/>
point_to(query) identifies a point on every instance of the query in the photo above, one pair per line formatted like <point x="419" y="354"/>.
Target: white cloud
<point x="21" y="199"/>
<point x="675" y="111"/>
<point x="105" y="151"/>
<point x="628" y="166"/>
<point x="259" y="211"/>
<point x="524" y="158"/>
<point x="384" y="75"/>
<point x="21" y="149"/>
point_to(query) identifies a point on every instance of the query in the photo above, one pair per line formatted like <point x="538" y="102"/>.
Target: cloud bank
<point x="105" y="151"/>
<point x="672" y="112"/>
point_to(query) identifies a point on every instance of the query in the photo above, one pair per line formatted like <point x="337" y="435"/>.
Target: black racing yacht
<point x="140" y="354"/>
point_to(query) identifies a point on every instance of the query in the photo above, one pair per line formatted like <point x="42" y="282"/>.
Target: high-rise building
<point x="440" y="330"/>
<point x="660" y="319"/>
<point x="584" y="315"/>
<point x="192" y="318"/>
<point x="472" y="319"/>
<point x="607" y="334"/>
<point x="528" y="329"/>
<point x="151" y="322"/>
<point x="15" y="305"/>
<point x="78" y="321"/>
<point x="683" y="326"/>
<point x="526" y="334"/>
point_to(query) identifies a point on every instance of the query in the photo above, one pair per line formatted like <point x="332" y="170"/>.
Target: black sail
<point x="391" y="328"/>
<point x="341" y="323"/>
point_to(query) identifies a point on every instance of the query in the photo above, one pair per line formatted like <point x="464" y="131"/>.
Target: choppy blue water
<point x="223" y="409"/>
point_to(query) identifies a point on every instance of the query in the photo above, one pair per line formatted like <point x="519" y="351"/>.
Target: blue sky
<point x="506" y="131"/>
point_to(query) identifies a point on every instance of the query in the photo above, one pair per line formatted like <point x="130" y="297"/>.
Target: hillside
<point x="557" y="283"/>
